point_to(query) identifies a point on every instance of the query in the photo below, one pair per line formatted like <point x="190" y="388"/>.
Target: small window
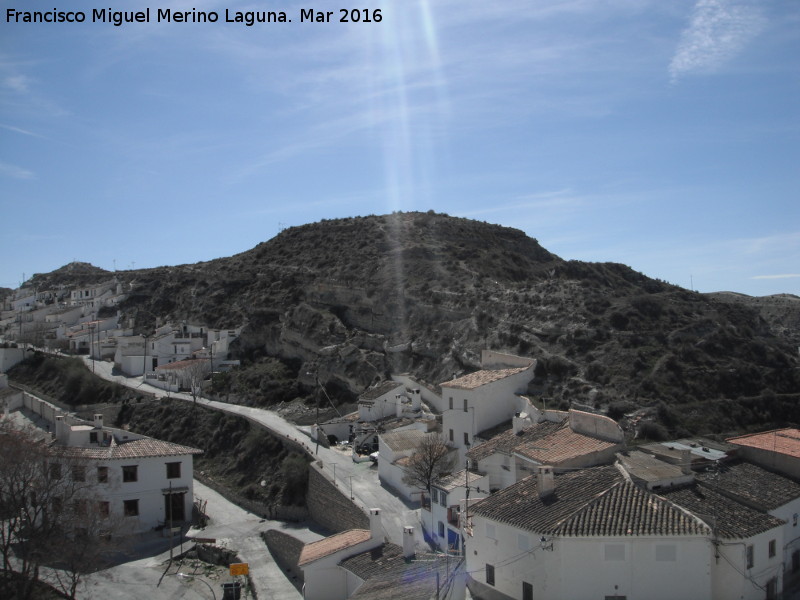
<point x="451" y="435"/>
<point x="489" y="574"/>
<point x="434" y="495"/>
<point x="614" y="551"/>
<point x="102" y="474"/>
<point x="55" y="471"/>
<point x="466" y="438"/>
<point x="749" y="556"/>
<point x="451" y="402"/>
<point x="130" y="473"/>
<point x="92" y="437"/>
<point x="104" y="508"/>
<point x="173" y="470"/>
<point x="771" y="548"/>
<point x="527" y="591"/>
<point x="131" y="508"/>
<point x="441" y="529"/>
<point x="443" y="499"/>
<point x="78" y="473"/>
<point x="465" y="405"/>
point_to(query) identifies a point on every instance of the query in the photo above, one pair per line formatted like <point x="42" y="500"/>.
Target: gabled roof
<point x="589" y="502"/>
<point x="545" y="443"/>
<point x="480" y="378"/>
<point x="409" y="439"/>
<point x="388" y="575"/>
<point x="379" y="390"/>
<point x="728" y="518"/>
<point x="782" y="441"/>
<point x="330" y="545"/>
<point x="751" y="484"/>
<point x="141" y="448"/>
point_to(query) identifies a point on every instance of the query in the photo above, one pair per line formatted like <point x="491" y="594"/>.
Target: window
<point x="465" y="405"/>
<point x="102" y="474"/>
<point x="434" y="494"/>
<point x="451" y="402"/>
<point x="55" y="471"/>
<point x="794" y="520"/>
<point x="666" y="553"/>
<point x="527" y="591"/>
<point x="614" y="551"/>
<point x="771" y="548"/>
<point x="441" y="529"/>
<point x="795" y="561"/>
<point x="131" y="508"/>
<point x="78" y="473"/>
<point x="749" y="556"/>
<point x="489" y="574"/>
<point x="130" y="473"/>
<point x="466" y="438"/>
<point x="103" y="508"/>
<point x="443" y="499"/>
<point x="173" y="470"/>
<point x="92" y="437"/>
<point x="451" y="435"/>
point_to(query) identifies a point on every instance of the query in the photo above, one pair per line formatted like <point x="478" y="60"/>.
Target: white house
<point x="560" y="439"/>
<point x="481" y="400"/>
<point x="381" y="401"/>
<point x="592" y="533"/>
<point x="136" y="481"/>
<point x="447" y="502"/>
<point x="394" y="449"/>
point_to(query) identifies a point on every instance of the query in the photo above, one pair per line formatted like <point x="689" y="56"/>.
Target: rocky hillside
<point x="353" y="300"/>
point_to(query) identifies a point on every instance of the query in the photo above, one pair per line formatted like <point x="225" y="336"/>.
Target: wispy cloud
<point x="21" y="131"/>
<point x="15" y="172"/>
<point x="781" y="276"/>
<point x="718" y="30"/>
<point x="18" y="83"/>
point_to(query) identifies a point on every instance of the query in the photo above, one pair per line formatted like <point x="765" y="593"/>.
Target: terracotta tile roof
<point x="783" y="441"/>
<point x="330" y="545"/>
<point x="589" y="502"/>
<point x="729" y="518"/>
<point x="751" y="485"/>
<point x="142" y="448"/>
<point x="479" y="378"/>
<point x="388" y="575"/>
<point x="379" y="390"/>
<point x="399" y="441"/>
<point x="546" y="443"/>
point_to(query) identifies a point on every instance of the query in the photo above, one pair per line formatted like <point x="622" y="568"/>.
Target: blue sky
<point x="663" y="135"/>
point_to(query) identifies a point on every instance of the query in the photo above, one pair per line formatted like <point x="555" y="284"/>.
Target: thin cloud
<point x="782" y="276"/>
<point x="718" y="30"/>
<point x="15" y="172"/>
<point x="21" y="131"/>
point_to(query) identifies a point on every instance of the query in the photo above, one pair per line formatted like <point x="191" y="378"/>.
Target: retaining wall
<point x="329" y="506"/>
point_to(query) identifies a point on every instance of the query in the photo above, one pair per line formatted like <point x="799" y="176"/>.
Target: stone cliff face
<point x="351" y="301"/>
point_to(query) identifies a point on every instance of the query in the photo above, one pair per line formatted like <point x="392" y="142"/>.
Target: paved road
<point x="361" y="478"/>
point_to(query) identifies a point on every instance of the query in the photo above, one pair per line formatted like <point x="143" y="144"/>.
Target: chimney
<point x="544" y="481"/>
<point x="686" y="461"/>
<point x="399" y="399"/>
<point x="98" y="421"/>
<point x="416" y="399"/>
<point x="408" y="542"/>
<point x="375" y="524"/>
<point x="62" y="433"/>
<point x="520" y="422"/>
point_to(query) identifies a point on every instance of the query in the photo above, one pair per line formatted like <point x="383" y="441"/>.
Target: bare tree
<point x="193" y="375"/>
<point x="432" y="459"/>
<point x="37" y="482"/>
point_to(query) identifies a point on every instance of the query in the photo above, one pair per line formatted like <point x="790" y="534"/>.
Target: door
<point x="174" y="508"/>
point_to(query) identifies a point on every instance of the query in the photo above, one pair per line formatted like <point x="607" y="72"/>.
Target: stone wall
<point x="329" y="506"/>
<point x="285" y="549"/>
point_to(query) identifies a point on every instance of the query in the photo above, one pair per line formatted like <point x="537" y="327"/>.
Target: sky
<point x="662" y="135"/>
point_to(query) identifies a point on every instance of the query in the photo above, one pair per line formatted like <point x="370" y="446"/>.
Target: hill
<point x="352" y="300"/>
